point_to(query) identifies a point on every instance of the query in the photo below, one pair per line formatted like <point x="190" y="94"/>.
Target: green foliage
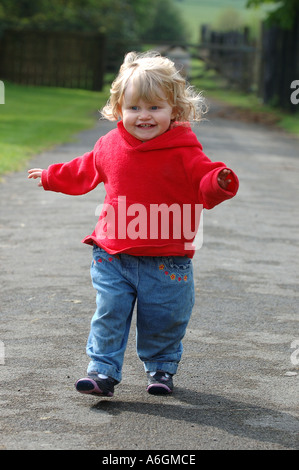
<point x="229" y="19"/>
<point x="122" y="18"/>
<point x="212" y="12"/>
<point x="125" y="23"/>
<point x="285" y="15"/>
<point x="166" y="24"/>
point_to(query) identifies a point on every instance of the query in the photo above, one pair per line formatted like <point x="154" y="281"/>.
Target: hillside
<point x="217" y="12"/>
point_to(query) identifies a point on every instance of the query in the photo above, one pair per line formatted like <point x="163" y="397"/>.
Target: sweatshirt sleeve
<point x="79" y="176"/>
<point x="204" y="175"/>
<point x="212" y="193"/>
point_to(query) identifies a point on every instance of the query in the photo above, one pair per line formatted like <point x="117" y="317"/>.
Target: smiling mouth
<point x="145" y="126"/>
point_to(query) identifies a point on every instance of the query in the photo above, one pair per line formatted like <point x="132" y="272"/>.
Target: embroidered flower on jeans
<point x="173" y="276"/>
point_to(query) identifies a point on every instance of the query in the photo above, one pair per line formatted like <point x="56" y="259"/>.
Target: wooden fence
<point x="279" y="65"/>
<point x="63" y="59"/>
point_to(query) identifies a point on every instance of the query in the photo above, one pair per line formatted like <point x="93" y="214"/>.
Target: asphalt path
<point x="237" y="385"/>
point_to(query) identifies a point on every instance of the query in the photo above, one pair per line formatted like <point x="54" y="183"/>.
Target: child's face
<point x="145" y="120"/>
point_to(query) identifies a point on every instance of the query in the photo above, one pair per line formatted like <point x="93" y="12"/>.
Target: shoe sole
<point x="90" y="387"/>
<point x="158" y="389"/>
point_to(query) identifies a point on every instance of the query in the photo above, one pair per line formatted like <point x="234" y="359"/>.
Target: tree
<point x="131" y="19"/>
<point x="285" y="15"/>
<point x="167" y="24"/>
<point x="126" y="23"/>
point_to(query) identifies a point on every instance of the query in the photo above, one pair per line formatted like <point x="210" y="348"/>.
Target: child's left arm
<point x="213" y="181"/>
<point x="217" y="185"/>
<point x="223" y="179"/>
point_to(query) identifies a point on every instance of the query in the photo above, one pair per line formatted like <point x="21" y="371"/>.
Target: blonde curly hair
<point x="153" y="76"/>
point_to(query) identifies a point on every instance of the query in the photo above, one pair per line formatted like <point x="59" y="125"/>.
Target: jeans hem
<point x="104" y="369"/>
<point x="169" y="367"/>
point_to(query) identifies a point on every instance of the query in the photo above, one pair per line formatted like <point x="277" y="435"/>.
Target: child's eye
<point x="134" y="108"/>
<point x="154" y="108"/>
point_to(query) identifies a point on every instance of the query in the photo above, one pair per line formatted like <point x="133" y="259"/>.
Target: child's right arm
<point x="35" y="173"/>
<point x="79" y="176"/>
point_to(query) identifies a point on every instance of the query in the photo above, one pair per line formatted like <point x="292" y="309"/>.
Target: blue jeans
<point x="164" y="290"/>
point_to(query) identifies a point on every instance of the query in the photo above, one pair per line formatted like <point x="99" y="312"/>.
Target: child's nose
<point x="144" y="114"/>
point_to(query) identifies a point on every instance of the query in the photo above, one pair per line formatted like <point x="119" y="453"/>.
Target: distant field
<point x="198" y="12"/>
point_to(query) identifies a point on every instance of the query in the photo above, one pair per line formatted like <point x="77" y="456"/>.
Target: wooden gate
<point x="232" y="54"/>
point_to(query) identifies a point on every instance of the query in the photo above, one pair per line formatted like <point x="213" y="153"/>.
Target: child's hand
<point x="35" y="173"/>
<point x="222" y="178"/>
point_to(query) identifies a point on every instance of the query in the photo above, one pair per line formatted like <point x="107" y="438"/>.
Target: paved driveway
<point x="237" y="386"/>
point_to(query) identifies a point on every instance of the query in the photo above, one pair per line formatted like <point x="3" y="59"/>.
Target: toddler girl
<point x="156" y="178"/>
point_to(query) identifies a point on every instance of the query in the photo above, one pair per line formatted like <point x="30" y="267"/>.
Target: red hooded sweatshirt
<point x="155" y="190"/>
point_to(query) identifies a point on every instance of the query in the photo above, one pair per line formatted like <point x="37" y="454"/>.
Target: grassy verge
<point x="36" y="118"/>
<point x="243" y="106"/>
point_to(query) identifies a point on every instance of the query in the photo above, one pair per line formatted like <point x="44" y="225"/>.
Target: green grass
<point x="37" y="118"/>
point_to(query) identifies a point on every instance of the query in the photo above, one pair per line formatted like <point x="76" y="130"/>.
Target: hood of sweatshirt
<point x="179" y="135"/>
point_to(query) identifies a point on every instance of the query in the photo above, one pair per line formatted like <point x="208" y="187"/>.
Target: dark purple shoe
<point x="160" y="383"/>
<point x="93" y="385"/>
